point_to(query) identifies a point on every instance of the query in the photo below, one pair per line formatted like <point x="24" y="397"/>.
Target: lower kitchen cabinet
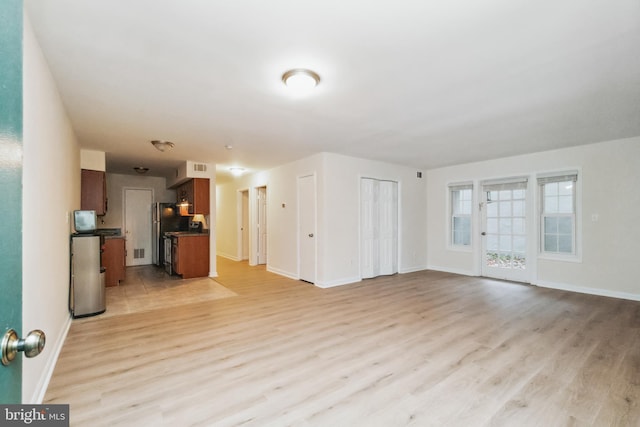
<point x="190" y="255"/>
<point x="113" y="260"/>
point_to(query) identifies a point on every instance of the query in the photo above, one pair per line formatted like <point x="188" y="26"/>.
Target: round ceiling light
<point x="300" y="79"/>
<point x="236" y="171"/>
<point x="141" y="170"/>
<point x="162" y="145"/>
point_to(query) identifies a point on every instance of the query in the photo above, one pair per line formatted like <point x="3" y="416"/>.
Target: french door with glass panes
<point x="504" y="235"/>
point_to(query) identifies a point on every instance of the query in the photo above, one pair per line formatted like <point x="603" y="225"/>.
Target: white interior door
<point x="244" y="227"/>
<point x="262" y="226"/>
<point x="504" y="242"/>
<point x="137" y="214"/>
<point x="369" y="223"/>
<point x="378" y="227"/>
<point x="307" y="228"/>
<point x="388" y="226"/>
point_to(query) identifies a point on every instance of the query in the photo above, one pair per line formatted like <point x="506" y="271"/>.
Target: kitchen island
<point x="189" y="253"/>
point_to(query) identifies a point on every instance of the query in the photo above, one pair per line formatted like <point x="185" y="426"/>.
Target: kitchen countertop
<point x="185" y="234"/>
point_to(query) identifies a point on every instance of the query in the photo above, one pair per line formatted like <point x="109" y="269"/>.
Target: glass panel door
<point x="504" y="254"/>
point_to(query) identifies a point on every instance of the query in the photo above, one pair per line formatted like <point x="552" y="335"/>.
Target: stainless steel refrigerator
<point x="165" y="217"/>
<point x="87" y="296"/>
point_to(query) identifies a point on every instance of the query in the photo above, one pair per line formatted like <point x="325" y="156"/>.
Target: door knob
<point x="310" y="234"/>
<point x="483" y="233"/>
<point x="32" y="345"/>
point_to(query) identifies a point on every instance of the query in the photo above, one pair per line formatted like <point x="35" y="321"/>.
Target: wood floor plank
<point x="419" y="349"/>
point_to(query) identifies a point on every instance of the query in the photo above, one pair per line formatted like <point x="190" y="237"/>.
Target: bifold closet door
<point x="379" y="227"/>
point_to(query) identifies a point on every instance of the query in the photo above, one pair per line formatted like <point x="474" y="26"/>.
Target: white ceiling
<point x="422" y="83"/>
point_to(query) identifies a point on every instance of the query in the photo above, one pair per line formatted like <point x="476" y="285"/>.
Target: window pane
<point x="519" y="244"/>
<point x="505" y="225"/>
<point x="518" y="208"/>
<point x="518" y="194"/>
<point x="492" y="243"/>
<point x="518" y="226"/>
<point x="505" y="243"/>
<point x="505" y="208"/>
<point x="461" y="230"/>
<point x="565" y="204"/>
<point x="551" y="189"/>
<point x="565" y="225"/>
<point x="466" y="207"/>
<point x="492" y="225"/>
<point x="565" y="188"/>
<point x="492" y="209"/>
<point x="505" y="195"/>
<point x="550" y="243"/>
<point x="565" y="244"/>
<point x="551" y="204"/>
<point x="550" y="225"/>
<point x="492" y="195"/>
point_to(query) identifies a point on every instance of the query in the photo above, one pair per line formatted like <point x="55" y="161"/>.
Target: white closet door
<point x="370" y="265"/>
<point x="379" y="227"/>
<point x="388" y="225"/>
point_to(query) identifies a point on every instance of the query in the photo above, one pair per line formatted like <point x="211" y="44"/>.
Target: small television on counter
<point x="84" y="221"/>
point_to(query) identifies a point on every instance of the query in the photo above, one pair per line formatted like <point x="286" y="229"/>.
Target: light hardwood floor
<point x="419" y="349"/>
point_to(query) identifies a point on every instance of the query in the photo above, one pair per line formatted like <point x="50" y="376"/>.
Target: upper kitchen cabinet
<point x="193" y="196"/>
<point x="93" y="190"/>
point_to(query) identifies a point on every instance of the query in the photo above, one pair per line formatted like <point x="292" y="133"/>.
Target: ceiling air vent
<point x="199" y="167"/>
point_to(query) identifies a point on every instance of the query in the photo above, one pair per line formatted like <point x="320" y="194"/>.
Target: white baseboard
<point x="338" y="282"/>
<point x="47" y="373"/>
<point x="590" y="291"/>
<point x="282" y="272"/>
<point x="452" y="270"/>
<point x="412" y="269"/>
<point x="227" y="256"/>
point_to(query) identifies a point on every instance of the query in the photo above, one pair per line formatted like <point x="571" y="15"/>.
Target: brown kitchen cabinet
<point x="93" y="191"/>
<point x="195" y="193"/>
<point x="190" y="255"/>
<point x="113" y="260"/>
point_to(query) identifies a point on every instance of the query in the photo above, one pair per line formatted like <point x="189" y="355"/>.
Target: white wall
<point x="93" y="160"/>
<point x="338" y="199"/>
<point x="609" y="174"/>
<point x="51" y="190"/>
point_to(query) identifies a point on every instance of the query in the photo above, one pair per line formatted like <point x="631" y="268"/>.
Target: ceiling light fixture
<point x="236" y="171"/>
<point x="141" y="170"/>
<point x="300" y="79"/>
<point x="162" y="145"/>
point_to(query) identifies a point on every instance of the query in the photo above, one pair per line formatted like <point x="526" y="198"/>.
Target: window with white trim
<point x="461" y="208"/>
<point x="558" y="213"/>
